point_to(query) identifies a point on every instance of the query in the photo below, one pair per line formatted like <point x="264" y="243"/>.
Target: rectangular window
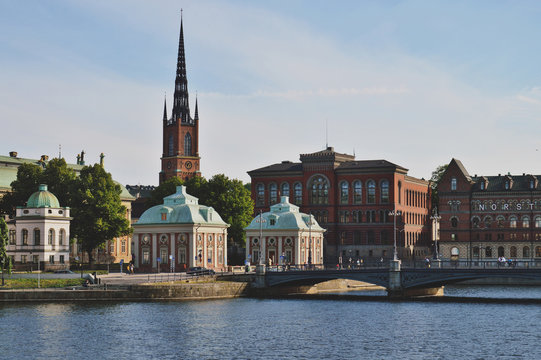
<point x="25" y="237"/>
<point x="51" y="259"/>
<point x="35" y="259"/>
<point x="12" y="237"/>
<point x="182" y="255"/>
<point x="124" y="246"/>
<point x="220" y="256"/>
<point x="37" y="236"/>
<point x="23" y="259"/>
<point x="453" y="184"/>
<point x="62" y="259"/>
<point x="146" y="256"/>
<point x="209" y="255"/>
<point x="289" y="256"/>
<point x="164" y="255"/>
<point x="111" y="247"/>
<point x="357" y="237"/>
<point x="255" y="256"/>
<point x="370" y="237"/>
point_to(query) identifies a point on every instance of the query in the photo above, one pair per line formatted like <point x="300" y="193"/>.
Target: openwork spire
<point x="165" y="108"/>
<point x="196" y="114"/>
<point x="181" y="107"/>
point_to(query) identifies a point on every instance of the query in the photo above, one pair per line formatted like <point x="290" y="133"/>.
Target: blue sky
<point x="412" y="82"/>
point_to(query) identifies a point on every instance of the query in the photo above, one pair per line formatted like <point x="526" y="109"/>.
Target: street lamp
<point x="310" y="240"/>
<point x="436" y="230"/>
<point x="394" y="214"/>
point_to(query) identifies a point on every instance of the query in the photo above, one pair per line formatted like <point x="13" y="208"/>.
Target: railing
<point x="411" y="264"/>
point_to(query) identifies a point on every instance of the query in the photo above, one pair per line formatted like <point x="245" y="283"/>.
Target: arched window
<point x="357" y="192"/>
<point x="61" y="237"/>
<point x="273" y="193"/>
<point x="260" y="199"/>
<point x="475" y="253"/>
<point x="538" y="221"/>
<point x="525" y="252"/>
<point x="513" y="252"/>
<point x="538" y="251"/>
<point x="454" y="222"/>
<point x="501" y="251"/>
<point x="512" y="221"/>
<point x="488" y="252"/>
<point x="171" y="146"/>
<point x="285" y="190"/>
<point x="297" y="188"/>
<point x="371" y="194"/>
<point x="500" y="221"/>
<point x="525" y="222"/>
<point x="344" y="192"/>
<point x="319" y="190"/>
<point x="475" y="222"/>
<point x="384" y="195"/>
<point x="50" y="238"/>
<point x="188" y="144"/>
<point x="36" y="237"/>
<point x="25" y="237"/>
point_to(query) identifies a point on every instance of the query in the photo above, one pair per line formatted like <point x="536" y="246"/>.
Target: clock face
<point x="188" y="165"/>
<point x="169" y="164"/>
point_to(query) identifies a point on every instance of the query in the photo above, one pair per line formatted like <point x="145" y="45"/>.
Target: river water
<point x="277" y="329"/>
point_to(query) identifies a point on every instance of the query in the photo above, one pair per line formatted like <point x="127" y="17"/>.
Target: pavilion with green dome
<point x="41" y="233"/>
<point x="179" y="234"/>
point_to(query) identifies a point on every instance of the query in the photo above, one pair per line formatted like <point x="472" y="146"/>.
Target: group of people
<point x="502" y="261"/>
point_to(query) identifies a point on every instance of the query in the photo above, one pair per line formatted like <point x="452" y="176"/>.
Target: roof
<point x="497" y="183"/>
<point x="42" y="198"/>
<point x="284" y="216"/>
<point x="180" y="208"/>
<point x="288" y="166"/>
<point x="10" y="164"/>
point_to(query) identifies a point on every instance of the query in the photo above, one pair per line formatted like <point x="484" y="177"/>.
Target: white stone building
<point x="40" y="233"/>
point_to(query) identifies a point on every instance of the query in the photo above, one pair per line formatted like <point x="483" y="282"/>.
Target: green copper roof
<point x="284" y="216"/>
<point x="42" y="198"/>
<point x="180" y="208"/>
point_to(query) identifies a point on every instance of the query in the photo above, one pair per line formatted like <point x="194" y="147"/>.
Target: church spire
<point x="165" y="108"/>
<point x="181" y="107"/>
<point x="196" y="114"/>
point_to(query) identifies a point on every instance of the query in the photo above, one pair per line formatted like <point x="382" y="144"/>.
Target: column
<point x="136" y="239"/>
<point x="191" y="250"/>
<point x="280" y="240"/>
<point x="154" y="251"/>
<point x="173" y="247"/>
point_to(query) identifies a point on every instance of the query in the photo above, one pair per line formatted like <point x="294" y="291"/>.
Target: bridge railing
<point x="377" y="264"/>
<point x="473" y="264"/>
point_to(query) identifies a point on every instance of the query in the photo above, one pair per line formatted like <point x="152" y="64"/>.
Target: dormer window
<point x="507" y="185"/>
<point x="273" y="222"/>
<point x="164" y="216"/>
<point x="532" y="184"/>
<point x="482" y="185"/>
<point x="453" y="184"/>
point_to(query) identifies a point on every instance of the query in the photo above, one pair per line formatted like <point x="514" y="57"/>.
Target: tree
<point x="99" y="214"/>
<point x="5" y="260"/>
<point x="233" y="202"/>
<point x="434" y="181"/>
<point x="27" y="182"/>
<point x="57" y="175"/>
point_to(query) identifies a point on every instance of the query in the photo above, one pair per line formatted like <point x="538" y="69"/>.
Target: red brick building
<point x="485" y="217"/>
<point x="180" y="155"/>
<point x="354" y="201"/>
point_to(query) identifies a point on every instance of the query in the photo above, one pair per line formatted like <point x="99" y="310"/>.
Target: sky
<point x="413" y="82"/>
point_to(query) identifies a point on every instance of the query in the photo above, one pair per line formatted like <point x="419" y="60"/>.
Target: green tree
<point x="99" y="214"/>
<point x="27" y="183"/>
<point x="59" y="179"/>
<point x="5" y="260"/>
<point x="434" y="181"/>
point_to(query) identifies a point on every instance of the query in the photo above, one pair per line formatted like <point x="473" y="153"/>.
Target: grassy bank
<point x="44" y="283"/>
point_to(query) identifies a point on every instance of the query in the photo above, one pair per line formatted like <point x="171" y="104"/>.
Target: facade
<point x="40" y="233"/>
<point x="284" y="236"/>
<point x="180" y="234"/>
<point x="116" y="249"/>
<point x="485" y="217"/>
<point x="354" y="200"/>
<point x="180" y="156"/>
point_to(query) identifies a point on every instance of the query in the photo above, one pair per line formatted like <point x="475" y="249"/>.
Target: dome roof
<point x="42" y="198"/>
<point x="284" y="216"/>
<point x="180" y="208"/>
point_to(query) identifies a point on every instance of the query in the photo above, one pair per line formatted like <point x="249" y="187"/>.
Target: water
<point x="275" y="329"/>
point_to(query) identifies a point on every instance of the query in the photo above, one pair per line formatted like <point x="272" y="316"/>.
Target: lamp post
<point x="394" y="214"/>
<point x="436" y="231"/>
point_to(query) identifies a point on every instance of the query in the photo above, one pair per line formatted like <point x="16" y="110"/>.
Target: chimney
<point x="13" y="154"/>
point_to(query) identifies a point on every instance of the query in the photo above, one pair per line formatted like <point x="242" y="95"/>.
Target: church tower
<point x="180" y="156"/>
